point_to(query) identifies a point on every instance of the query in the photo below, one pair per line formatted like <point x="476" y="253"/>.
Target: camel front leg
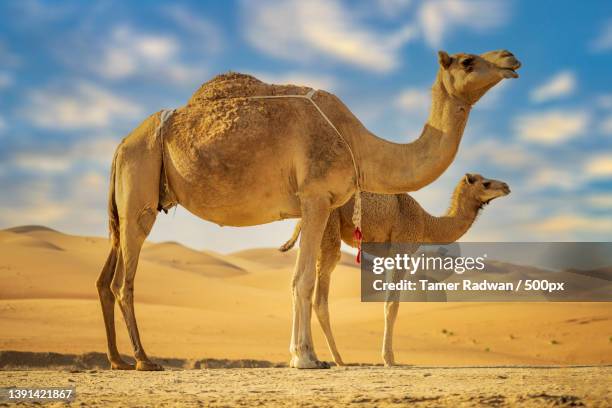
<point x="315" y="212"/>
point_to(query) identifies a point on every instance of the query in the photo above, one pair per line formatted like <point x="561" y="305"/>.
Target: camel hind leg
<point x="328" y="258"/>
<point x="107" y="301"/>
<point x="133" y="236"/>
<point x="136" y="199"/>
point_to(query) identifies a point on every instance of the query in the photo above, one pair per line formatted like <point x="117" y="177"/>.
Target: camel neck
<point x="386" y="167"/>
<point x="460" y="216"/>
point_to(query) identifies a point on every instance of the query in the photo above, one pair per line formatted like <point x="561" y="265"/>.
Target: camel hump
<point x="237" y="85"/>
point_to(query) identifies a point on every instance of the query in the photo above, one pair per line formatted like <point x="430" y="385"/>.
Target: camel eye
<point x="467" y="62"/>
<point x="486" y="184"/>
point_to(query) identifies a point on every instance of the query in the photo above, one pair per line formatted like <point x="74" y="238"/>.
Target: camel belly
<point x="257" y="208"/>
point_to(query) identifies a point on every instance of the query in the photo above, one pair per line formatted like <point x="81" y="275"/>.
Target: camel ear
<point x="469" y="178"/>
<point x="444" y="59"/>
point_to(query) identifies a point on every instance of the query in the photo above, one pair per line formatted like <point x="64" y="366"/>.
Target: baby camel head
<point x="482" y="190"/>
<point x="469" y="76"/>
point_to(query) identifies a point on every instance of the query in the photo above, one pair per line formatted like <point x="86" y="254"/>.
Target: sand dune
<point x="199" y="304"/>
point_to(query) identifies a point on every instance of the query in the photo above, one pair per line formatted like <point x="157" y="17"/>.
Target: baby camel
<point x="394" y="218"/>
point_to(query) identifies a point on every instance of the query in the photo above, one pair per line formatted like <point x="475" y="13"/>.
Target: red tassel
<point x="357" y="235"/>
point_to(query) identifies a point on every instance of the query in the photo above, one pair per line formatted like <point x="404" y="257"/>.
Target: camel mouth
<point x="505" y="190"/>
<point x="509" y="71"/>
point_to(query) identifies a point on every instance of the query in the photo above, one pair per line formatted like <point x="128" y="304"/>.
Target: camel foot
<point x="121" y="365"/>
<point x="305" y="363"/>
<point x="339" y="363"/>
<point x="146" y="365"/>
<point x="389" y="360"/>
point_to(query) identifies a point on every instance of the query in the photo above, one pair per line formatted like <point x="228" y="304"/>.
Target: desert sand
<point x="201" y="304"/>
<point x="338" y="387"/>
<point x="201" y="309"/>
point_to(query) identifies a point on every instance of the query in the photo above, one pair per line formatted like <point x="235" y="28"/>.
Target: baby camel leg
<point x="315" y="211"/>
<point x="391" y="309"/>
<point x="329" y="257"/>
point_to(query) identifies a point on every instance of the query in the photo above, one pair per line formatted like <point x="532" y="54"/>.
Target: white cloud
<point x="603" y="42"/>
<point x="560" y="85"/>
<point x="128" y="53"/>
<point x="550" y="177"/>
<point x="205" y="33"/>
<point x="34" y="213"/>
<point x="417" y="100"/>
<point x="551" y="127"/>
<point x="75" y="204"/>
<point x="600" y="200"/>
<point x="573" y="223"/>
<point x="599" y="166"/>
<point x="97" y="151"/>
<point x="499" y="153"/>
<point x="308" y="30"/>
<point x="317" y="81"/>
<point x="437" y="18"/>
<point x="42" y="162"/>
<point x="86" y="105"/>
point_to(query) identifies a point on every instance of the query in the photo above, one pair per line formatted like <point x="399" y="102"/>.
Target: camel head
<point x="469" y="76"/>
<point x="483" y="190"/>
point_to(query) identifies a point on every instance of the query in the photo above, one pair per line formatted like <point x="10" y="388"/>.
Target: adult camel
<point x="234" y="158"/>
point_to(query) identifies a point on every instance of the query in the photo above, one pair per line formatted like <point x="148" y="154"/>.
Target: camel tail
<point x="113" y="214"/>
<point x="296" y="234"/>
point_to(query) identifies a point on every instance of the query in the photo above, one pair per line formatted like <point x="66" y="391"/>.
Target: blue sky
<point x="75" y="77"/>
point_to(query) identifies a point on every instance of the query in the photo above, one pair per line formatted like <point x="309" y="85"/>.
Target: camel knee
<point x="123" y="291"/>
<point x="124" y="294"/>
<point x="104" y="289"/>
<point x="303" y="287"/>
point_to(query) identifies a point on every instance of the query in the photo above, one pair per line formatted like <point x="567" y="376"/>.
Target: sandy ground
<point x="352" y="386"/>
<point x="201" y="309"/>
<point x="200" y="304"/>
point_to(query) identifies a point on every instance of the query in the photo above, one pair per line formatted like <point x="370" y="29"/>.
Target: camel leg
<point x="391" y="309"/>
<point x="107" y="300"/>
<point x="315" y="212"/>
<point x="329" y="257"/>
<point x="132" y="238"/>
